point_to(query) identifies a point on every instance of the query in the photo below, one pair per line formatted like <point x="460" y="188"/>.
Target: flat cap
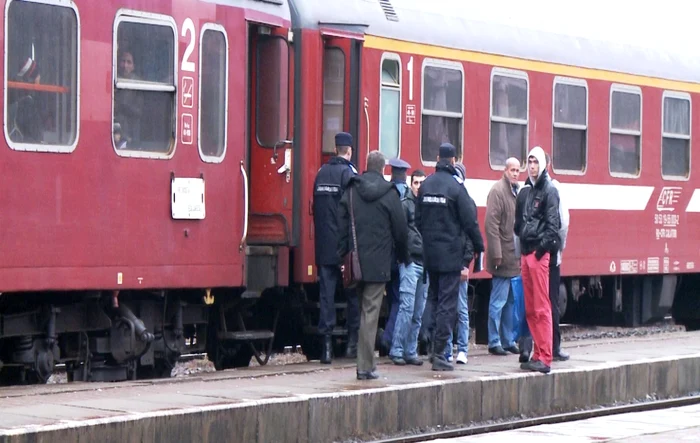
<point x="447" y="151"/>
<point x="397" y="163"/>
<point x="343" y="139"/>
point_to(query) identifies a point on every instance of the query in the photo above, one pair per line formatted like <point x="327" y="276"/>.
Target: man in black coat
<point x="381" y="227"/>
<point x="330" y="183"/>
<point x="446" y="219"/>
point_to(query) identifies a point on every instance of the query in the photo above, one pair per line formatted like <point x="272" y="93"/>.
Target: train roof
<point x="617" y="35"/>
<point x="277" y="8"/>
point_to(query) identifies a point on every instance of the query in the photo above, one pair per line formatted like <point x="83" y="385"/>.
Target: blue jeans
<point x="413" y="293"/>
<point x="501" y="313"/>
<point x="462" y="329"/>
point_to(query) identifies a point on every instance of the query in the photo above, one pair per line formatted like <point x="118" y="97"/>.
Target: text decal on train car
<point x="187" y="199"/>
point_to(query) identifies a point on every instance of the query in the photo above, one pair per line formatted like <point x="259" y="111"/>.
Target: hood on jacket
<point x="538" y="153"/>
<point x="371" y="186"/>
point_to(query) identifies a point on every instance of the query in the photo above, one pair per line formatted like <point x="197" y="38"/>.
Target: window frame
<point x="257" y="99"/>
<point x="211" y="158"/>
<point x="325" y="48"/>
<point x="629" y="89"/>
<point x="679" y="96"/>
<point x="512" y="73"/>
<point x="146" y="18"/>
<point x="570" y="81"/>
<point x="397" y="58"/>
<point x="37" y="147"/>
<point x="446" y="64"/>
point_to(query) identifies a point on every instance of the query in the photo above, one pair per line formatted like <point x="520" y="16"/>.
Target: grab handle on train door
<point x="245" y="207"/>
<point x="367" y="118"/>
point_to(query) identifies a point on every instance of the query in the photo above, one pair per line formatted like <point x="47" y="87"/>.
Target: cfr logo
<point x="668" y="198"/>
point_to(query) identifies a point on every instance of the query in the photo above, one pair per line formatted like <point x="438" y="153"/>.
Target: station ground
<point x="667" y="425"/>
<point x="310" y="402"/>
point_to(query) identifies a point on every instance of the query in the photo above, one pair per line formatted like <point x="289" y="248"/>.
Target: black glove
<point x="539" y="253"/>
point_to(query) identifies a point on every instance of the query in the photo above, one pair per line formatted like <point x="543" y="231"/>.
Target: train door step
<point x="251" y="294"/>
<point x="337" y="331"/>
<point x="247" y="335"/>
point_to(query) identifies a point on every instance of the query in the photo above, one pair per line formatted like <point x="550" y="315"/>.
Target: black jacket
<point x="537" y="216"/>
<point x="446" y="217"/>
<point x="331" y="181"/>
<point x="415" y="241"/>
<point x="380" y="224"/>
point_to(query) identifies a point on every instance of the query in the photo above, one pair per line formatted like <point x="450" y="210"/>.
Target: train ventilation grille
<point x="389" y="11"/>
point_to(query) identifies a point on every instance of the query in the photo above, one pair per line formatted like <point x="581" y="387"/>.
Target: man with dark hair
<point x="537" y="227"/>
<point x="380" y="227"/>
<point x="445" y="218"/>
<point x="330" y="183"/>
<point x="412" y="292"/>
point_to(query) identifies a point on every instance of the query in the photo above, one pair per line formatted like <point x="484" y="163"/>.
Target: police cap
<point x="343" y="139"/>
<point x="447" y="151"/>
<point x="397" y="163"/>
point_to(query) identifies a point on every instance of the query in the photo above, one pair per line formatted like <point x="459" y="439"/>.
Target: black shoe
<point x="398" y="361"/>
<point x="327" y="352"/>
<point x="560" y="356"/>
<point x="535" y="366"/>
<point x="497" y="350"/>
<point x="513" y="349"/>
<point x="440" y="364"/>
<point x="524" y="357"/>
<point x="415" y="361"/>
<point x="384" y="348"/>
<point x="367" y="375"/>
<point x="351" y="350"/>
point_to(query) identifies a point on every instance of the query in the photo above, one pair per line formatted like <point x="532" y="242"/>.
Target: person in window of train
<point x="537" y="226"/>
<point x="25" y="109"/>
<point x="554" y="282"/>
<point x="413" y="290"/>
<point x="118" y="136"/>
<point x="501" y="261"/>
<point x="398" y="179"/>
<point x="381" y="228"/>
<point x="329" y="186"/>
<point x="128" y="103"/>
<point x="445" y="218"/>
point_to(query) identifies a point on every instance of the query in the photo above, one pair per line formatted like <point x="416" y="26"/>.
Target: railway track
<point x="549" y="419"/>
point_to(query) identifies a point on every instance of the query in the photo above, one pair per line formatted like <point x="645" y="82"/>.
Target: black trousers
<point x="443" y="294"/>
<point x="330" y="282"/>
<point x="554" y="280"/>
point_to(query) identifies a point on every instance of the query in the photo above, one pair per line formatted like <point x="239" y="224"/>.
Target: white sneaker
<point x="462" y="358"/>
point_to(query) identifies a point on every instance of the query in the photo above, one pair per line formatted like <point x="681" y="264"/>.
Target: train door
<point x="269" y="135"/>
<point x="341" y="93"/>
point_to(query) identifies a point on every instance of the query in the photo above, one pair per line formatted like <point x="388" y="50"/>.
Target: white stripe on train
<point x="586" y="196"/>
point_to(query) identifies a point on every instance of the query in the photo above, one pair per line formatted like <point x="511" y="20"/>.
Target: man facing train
<point x="331" y="181"/>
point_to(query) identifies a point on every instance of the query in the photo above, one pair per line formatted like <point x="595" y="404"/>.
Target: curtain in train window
<point x="333" y="97"/>
<point x="390" y="104"/>
<point x="675" y="146"/>
<point x="214" y="91"/>
<point x="272" y="91"/>
<point x="41" y="103"/>
<point x="625" y="132"/>
<point x="144" y="94"/>
<point x="442" y="111"/>
<point x="509" y="119"/>
<point x="570" y="127"/>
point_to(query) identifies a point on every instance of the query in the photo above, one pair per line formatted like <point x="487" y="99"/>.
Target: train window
<point x="144" y="88"/>
<point x="675" y="144"/>
<point x="213" y="87"/>
<point x="509" y="116"/>
<point x="272" y="90"/>
<point x="625" y="131"/>
<point x="333" y="96"/>
<point x="570" y="125"/>
<point x="390" y="107"/>
<point x="443" y="107"/>
<point x="41" y="77"/>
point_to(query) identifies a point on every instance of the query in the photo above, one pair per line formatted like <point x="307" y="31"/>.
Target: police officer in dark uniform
<point x="445" y="218"/>
<point x="398" y="179"/>
<point x="330" y="183"/>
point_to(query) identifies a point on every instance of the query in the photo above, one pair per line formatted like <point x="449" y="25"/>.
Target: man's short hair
<point x="417" y="173"/>
<point x="376" y="161"/>
<point x="342" y="150"/>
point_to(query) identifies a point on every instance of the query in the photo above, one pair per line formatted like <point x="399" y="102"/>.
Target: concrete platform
<point x="313" y="403"/>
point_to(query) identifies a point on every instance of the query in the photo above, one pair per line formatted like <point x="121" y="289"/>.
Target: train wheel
<point x="235" y="356"/>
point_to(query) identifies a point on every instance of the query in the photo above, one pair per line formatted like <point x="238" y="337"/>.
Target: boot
<point x="351" y="350"/>
<point x="327" y="351"/>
